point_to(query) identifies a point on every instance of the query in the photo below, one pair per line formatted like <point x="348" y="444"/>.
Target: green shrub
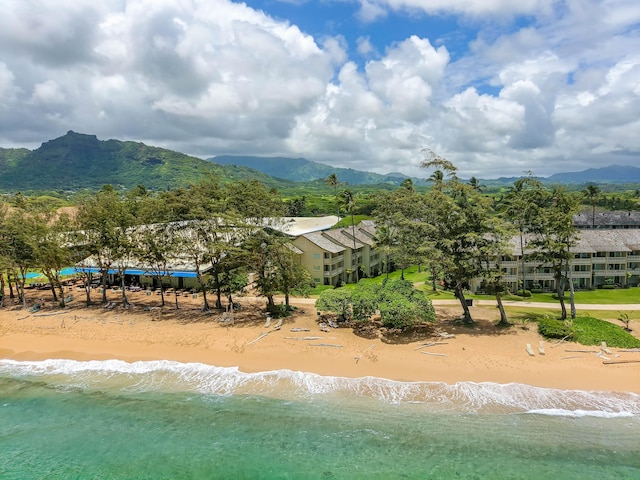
<point x="536" y="290"/>
<point x="608" y="287"/>
<point x="593" y="331"/>
<point x="523" y="293"/>
<point x="551" y="328"/>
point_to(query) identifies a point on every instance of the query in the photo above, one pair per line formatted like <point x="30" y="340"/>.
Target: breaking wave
<point x="464" y="397"/>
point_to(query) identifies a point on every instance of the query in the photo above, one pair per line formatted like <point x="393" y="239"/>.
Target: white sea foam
<point x="560" y="412"/>
<point x="465" y="397"/>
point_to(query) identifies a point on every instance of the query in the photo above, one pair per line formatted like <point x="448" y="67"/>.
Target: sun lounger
<point x="530" y="350"/>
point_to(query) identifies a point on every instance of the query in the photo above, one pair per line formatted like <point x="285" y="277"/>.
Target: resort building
<point x="341" y="255"/>
<point x="600" y="257"/>
<point x="607" y="220"/>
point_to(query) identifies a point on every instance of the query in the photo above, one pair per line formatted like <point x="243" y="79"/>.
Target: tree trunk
<point x="176" y="295"/>
<point x="53" y="291"/>
<point x="523" y="262"/>
<point x="11" y="294"/>
<point x="20" y="287"/>
<point x="87" y="287"/>
<point x="104" y="286"/>
<point x="463" y="302"/>
<point x="125" y="301"/>
<point x="270" y="303"/>
<point x="560" y="292"/>
<point x="62" y="302"/>
<point x="503" y="315"/>
<point x="216" y="277"/>
<point x="572" y="293"/>
<point x="205" y="304"/>
<point x="1" y="290"/>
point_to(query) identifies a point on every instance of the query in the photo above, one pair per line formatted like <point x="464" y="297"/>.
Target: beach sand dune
<point x="443" y="352"/>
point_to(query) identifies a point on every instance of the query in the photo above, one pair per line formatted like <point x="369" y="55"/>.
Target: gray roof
<point x="592" y="241"/>
<point x="604" y="240"/>
<point x="317" y="238"/>
<point x="606" y="220"/>
<point x="339" y="236"/>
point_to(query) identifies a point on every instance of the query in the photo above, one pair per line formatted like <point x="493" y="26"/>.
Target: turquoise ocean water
<point x="61" y="419"/>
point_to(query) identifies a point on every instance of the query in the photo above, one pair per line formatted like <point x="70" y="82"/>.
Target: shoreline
<point x="478" y="355"/>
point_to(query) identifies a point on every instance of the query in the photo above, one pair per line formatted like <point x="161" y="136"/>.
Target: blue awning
<point x="133" y="271"/>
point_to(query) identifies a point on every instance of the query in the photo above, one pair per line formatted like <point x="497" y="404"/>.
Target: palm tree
<point x="592" y="193"/>
<point x="476" y="185"/>
<point x="437" y="178"/>
<point x="347" y="199"/>
<point x="332" y="181"/>
<point x="385" y="238"/>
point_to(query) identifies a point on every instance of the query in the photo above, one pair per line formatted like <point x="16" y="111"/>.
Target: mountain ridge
<point x="76" y="161"/>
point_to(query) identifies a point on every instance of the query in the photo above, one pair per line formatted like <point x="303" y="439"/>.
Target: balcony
<point x="334" y="273"/>
<point x="333" y="260"/>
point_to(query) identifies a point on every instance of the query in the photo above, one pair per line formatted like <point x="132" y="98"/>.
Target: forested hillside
<point x="75" y="161"/>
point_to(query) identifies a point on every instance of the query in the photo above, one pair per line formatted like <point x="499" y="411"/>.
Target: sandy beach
<point x="145" y="332"/>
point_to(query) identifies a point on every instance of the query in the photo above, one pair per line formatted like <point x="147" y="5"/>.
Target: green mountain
<point x="302" y="170"/>
<point x="609" y="174"/>
<point x="75" y="161"/>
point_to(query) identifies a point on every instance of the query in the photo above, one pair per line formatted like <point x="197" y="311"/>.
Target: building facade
<point x="600" y="257"/>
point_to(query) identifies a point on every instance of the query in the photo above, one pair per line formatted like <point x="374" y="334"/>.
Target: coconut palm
<point x="592" y="193"/>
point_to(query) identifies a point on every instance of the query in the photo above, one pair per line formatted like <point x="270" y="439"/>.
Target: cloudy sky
<point x="498" y="87"/>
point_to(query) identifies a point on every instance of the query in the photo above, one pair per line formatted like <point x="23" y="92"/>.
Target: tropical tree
<point x="460" y="217"/>
<point x="332" y="181"/>
<point x="386" y="240"/>
<point x="18" y="249"/>
<point x="520" y="207"/>
<point x="51" y="247"/>
<point x="99" y="232"/>
<point x="476" y="185"/>
<point x="554" y="235"/>
<point x="592" y="193"/>
<point x="337" y="301"/>
<point x="402" y="233"/>
<point x="348" y="200"/>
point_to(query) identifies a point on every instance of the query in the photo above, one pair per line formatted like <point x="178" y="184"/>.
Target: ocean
<point x="63" y="419"/>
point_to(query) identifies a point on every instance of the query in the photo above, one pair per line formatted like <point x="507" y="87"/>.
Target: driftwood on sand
<point x="325" y="345"/>
<point x="48" y="314"/>
<point x="613" y="362"/>
<point x="260" y="337"/>
<point x="431" y="344"/>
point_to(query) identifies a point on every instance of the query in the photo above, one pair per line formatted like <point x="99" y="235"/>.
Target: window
<point x="317" y="256"/>
<point x="326" y="255"/>
<point x="316" y="267"/>
<point x="601" y="254"/>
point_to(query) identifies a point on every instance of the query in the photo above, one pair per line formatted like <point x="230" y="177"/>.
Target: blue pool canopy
<point x="133" y="271"/>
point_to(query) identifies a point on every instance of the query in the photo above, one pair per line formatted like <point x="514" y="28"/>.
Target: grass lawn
<point x="422" y="281"/>
<point x="617" y="296"/>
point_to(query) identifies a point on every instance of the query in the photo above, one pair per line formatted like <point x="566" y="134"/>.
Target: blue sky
<point x="496" y="86"/>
